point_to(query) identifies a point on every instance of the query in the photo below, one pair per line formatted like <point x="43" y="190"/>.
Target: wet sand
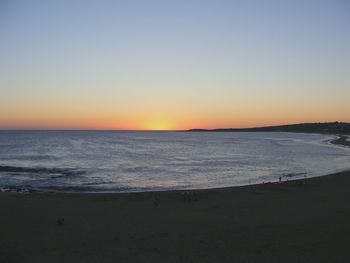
<point x="297" y="221"/>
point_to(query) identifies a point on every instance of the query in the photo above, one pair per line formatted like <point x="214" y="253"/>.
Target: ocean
<point x="129" y="161"/>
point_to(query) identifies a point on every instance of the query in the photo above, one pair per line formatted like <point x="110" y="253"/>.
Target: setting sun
<point x="159" y="124"/>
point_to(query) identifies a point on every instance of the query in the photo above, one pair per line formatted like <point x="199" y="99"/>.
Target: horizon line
<point x="173" y="130"/>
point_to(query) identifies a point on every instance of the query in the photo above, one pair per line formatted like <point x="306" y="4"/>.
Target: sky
<point x="140" y="65"/>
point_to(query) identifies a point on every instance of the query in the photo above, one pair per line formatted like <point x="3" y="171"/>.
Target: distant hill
<point x="328" y="127"/>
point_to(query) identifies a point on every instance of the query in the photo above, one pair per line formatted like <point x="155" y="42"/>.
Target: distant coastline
<point x="341" y="128"/>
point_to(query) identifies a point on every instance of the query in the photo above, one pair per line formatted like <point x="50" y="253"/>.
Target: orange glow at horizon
<point x="160" y="116"/>
<point x="152" y="121"/>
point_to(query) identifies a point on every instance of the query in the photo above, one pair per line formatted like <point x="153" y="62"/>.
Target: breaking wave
<point x="56" y="172"/>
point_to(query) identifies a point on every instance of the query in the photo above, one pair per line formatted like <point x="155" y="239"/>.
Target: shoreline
<point x="304" y="220"/>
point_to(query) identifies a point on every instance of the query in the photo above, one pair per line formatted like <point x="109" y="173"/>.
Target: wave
<point x="84" y="189"/>
<point x="16" y="189"/>
<point x="29" y="158"/>
<point x="290" y="175"/>
<point x="58" y="172"/>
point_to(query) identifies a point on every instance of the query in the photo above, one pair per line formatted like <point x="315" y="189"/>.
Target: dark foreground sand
<point x="300" y="221"/>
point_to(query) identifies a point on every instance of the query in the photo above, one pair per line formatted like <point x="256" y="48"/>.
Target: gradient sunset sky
<point x="173" y="64"/>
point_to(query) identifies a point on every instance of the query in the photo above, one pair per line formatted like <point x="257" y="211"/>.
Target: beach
<point x="293" y="221"/>
<point x="296" y="221"/>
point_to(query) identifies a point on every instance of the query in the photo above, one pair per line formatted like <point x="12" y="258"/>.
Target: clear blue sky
<point x="173" y="64"/>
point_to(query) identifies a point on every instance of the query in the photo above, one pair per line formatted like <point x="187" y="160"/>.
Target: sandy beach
<point x="296" y="221"/>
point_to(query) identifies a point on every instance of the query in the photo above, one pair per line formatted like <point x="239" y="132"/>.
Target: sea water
<point x="126" y="161"/>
